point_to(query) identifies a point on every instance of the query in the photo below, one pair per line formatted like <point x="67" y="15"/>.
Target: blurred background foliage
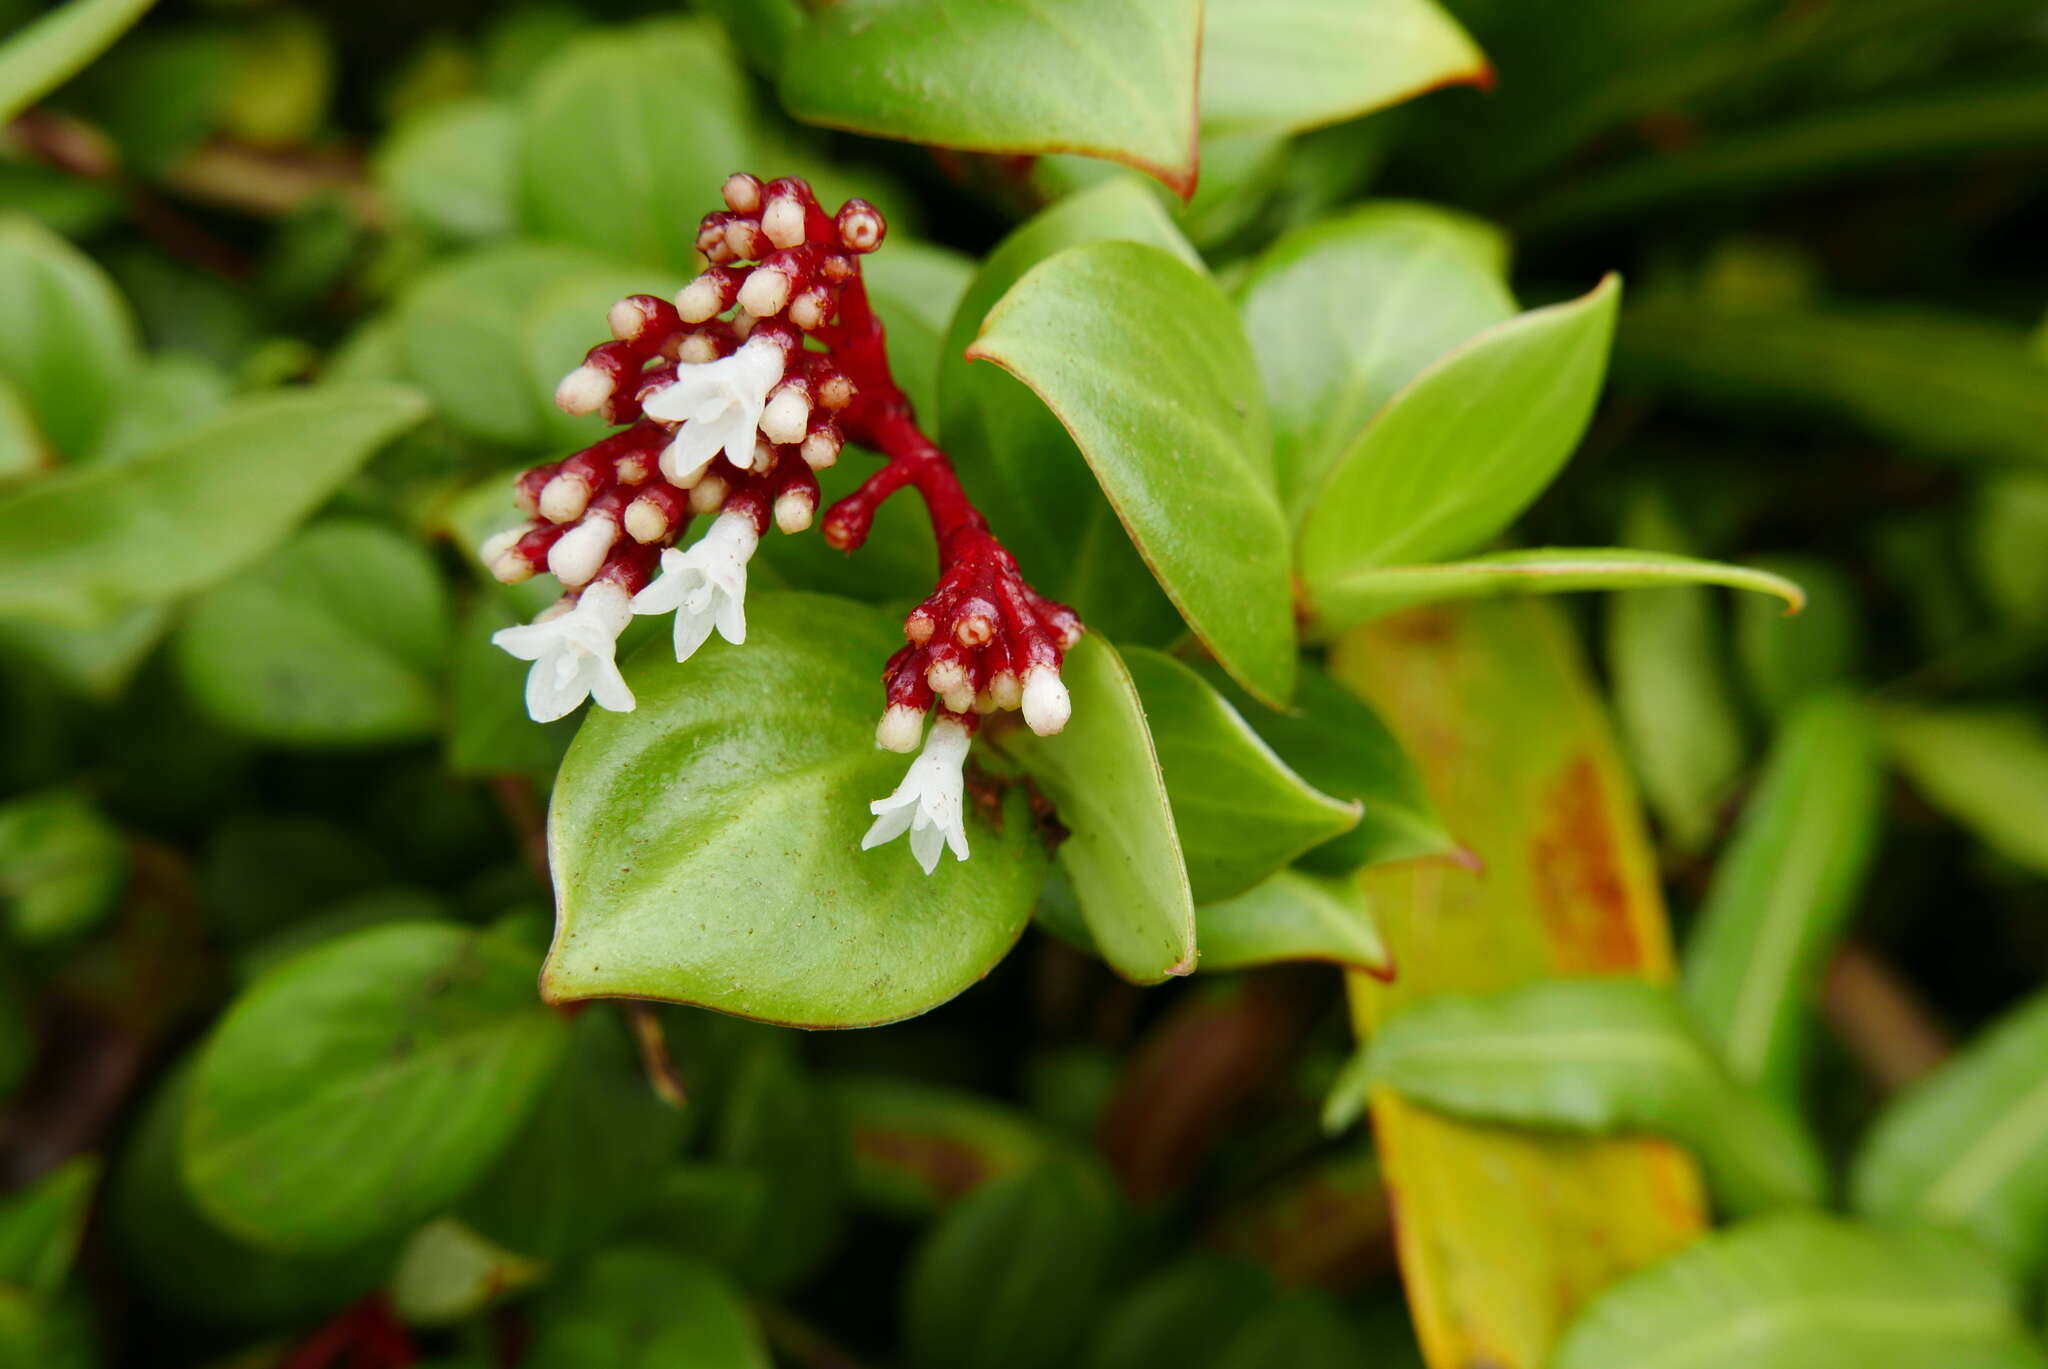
<point x="1831" y="363"/>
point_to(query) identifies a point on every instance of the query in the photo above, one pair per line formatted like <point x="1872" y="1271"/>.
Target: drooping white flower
<point x="705" y="586"/>
<point x="927" y="803"/>
<point x="719" y="404"/>
<point x="571" y="648"/>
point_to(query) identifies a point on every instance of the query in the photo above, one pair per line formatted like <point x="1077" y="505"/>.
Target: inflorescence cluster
<point x="729" y="401"/>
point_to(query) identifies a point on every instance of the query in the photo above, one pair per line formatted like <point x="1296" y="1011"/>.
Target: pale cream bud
<point x="1047" y="705"/>
<point x="564" y="498"/>
<point x="794" y="509"/>
<point x="783" y="221"/>
<point x="901" y="728"/>
<point x="765" y="292"/>
<point x="787" y="414"/>
<point x="583" y="391"/>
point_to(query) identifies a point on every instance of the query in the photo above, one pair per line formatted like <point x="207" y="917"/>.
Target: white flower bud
<point x="708" y="494"/>
<point x="583" y="391"/>
<point x="821" y="448"/>
<point x="1046" y="703"/>
<point x="1006" y="690"/>
<point x="901" y="728"/>
<point x="793" y="510"/>
<point x="783" y="221"/>
<point x="697" y="349"/>
<point x="626" y="319"/>
<point x="647" y="520"/>
<point x="497" y="544"/>
<point x="788" y="414"/>
<point x="564" y="498"/>
<point x="701" y="299"/>
<point x="579" y="553"/>
<point x="810" y="309"/>
<point x="765" y="292"/>
<point x="742" y="193"/>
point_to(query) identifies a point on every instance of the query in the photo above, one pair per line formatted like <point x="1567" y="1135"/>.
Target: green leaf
<point x="917" y="1148"/>
<point x="69" y="345"/>
<point x="1968" y="1146"/>
<point x="81" y="546"/>
<point x="627" y="136"/>
<point x="1293" y="916"/>
<point x="1803" y="1291"/>
<point x="1175" y="429"/>
<point x="640" y="1308"/>
<point x="2007" y="532"/>
<point x="1014" y="456"/>
<point x="42" y="55"/>
<point x="1986" y="768"/>
<point x="164" y="397"/>
<point x="1787" y="659"/>
<point x="1010" y="1275"/>
<point x="779" y="1123"/>
<point x="1463" y="448"/>
<point x="62" y="866"/>
<point x="1937" y="384"/>
<point x="430" y="1051"/>
<point x="461" y="340"/>
<point x="1782" y="891"/>
<point x="1240" y="811"/>
<point x="97" y="662"/>
<point x="1304" y="1329"/>
<point x="1300" y="64"/>
<point x="1122" y="851"/>
<point x="24" y="451"/>
<point x="448" y="1273"/>
<point x="41" y="1226"/>
<point x="1335" y="741"/>
<point x="452" y="168"/>
<point x="1667" y="654"/>
<point x="579" y="1169"/>
<point x="1182" y="1315"/>
<point x="335" y="640"/>
<point x="762" y="29"/>
<point x="1345" y="312"/>
<point x="752" y="768"/>
<point x="1589" y="1056"/>
<point x="1379" y="590"/>
<point x="1013" y="76"/>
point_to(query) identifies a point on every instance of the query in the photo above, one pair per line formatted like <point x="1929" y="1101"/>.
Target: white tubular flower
<point x="705" y="586"/>
<point x="927" y="803"/>
<point x="571" y="649"/>
<point x="719" y="404"/>
<point x="1047" y="705"/>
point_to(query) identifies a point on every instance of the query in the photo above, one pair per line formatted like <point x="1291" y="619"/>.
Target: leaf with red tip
<point x="1014" y="76"/>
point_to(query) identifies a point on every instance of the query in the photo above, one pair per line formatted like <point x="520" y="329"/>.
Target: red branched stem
<point x="365" y="1336"/>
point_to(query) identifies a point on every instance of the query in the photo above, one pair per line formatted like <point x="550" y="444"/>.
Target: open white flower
<point x="571" y="649"/>
<point x="719" y="404"/>
<point x="927" y="803"/>
<point x="705" y="586"/>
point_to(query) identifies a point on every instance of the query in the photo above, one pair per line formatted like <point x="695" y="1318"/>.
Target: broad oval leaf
<point x="1293" y="916"/>
<point x="917" y="1148"/>
<point x="1968" y="1146"/>
<point x="38" y="57"/>
<point x="335" y="640"/>
<point x="1376" y="590"/>
<point x="1803" y="1291"/>
<point x="62" y="866"/>
<point x="82" y="545"/>
<point x="430" y="1049"/>
<point x="1286" y="65"/>
<point x="1017" y="76"/>
<point x="1987" y="768"/>
<point x="450" y="168"/>
<point x="1465" y="446"/>
<point x="1142" y="359"/>
<point x="636" y="1307"/>
<point x="1014" y="456"/>
<point x="69" y="347"/>
<point x="1587" y="1055"/>
<point x="1782" y="891"/>
<point x="706" y="847"/>
<point x="1344" y="312"/>
<point x="42" y="1224"/>
<point x="1240" y="811"/>
<point x="1122" y="851"/>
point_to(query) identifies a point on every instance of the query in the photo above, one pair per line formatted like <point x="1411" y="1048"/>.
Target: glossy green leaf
<point x="448" y="1273"/>
<point x="917" y="1148"/>
<point x="1240" y="811"/>
<point x="430" y="1049"/>
<point x="62" y="866"/>
<point x="42" y="1225"/>
<point x="753" y="768"/>
<point x="164" y="397"/>
<point x="1782" y="891"/>
<point x="580" y="1166"/>
<point x="1986" y="768"/>
<point x="777" y="1122"/>
<point x="1013" y="455"/>
<point x="1335" y="741"/>
<point x="1803" y="1291"/>
<point x="1452" y="458"/>
<point x="1594" y="1056"/>
<point x="627" y="136"/>
<point x="40" y="56"/>
<point x="460" y="337"/>
<point x="1786" y="659"/>
<point x="640" y="1308"/>
<point x="1292" y="916"/>
<point x="762" y="29"/>
<point x="1968" y="1145"/>
<point x="337" y="639"/>
<point x="69" y="344"/>
<point x="1345" y="312"/>
<point x="452" y="168"/>
<point x="1299" y="64"/>
<point x="1940" y="384"/>
<point x="1667" y="653"/>
<point x="1369" y="593"/>
<point x="1122" y="851"/>
<point x="83" y="545"/>
<point x="1009" y="1276"/>
<point x="1175" y="429"/>
<point x="1014" y="76"/>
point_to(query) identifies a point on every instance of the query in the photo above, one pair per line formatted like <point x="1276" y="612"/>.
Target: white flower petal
<point x="928" y="803"/>
<point x="572" y="655"/>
